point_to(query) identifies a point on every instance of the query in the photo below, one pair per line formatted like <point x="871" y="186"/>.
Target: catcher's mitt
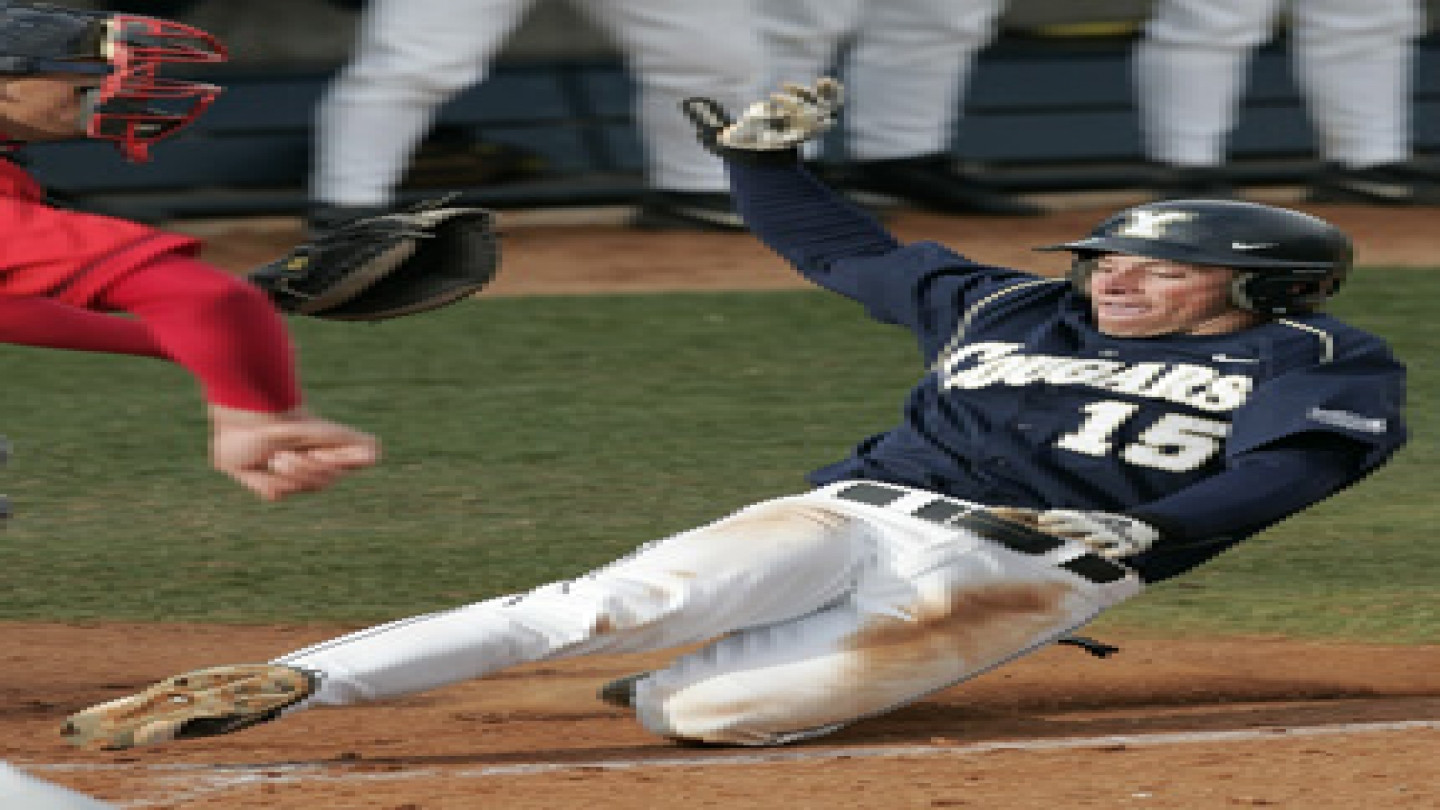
<point x="386" y="266"/>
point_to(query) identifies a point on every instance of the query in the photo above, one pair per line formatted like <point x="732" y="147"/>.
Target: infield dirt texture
<point x="1168" y="723"/>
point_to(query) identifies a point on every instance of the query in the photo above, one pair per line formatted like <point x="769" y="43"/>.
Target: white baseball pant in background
<point x="414" y="55"/>
<point x="827" y="608"/>
<point x="907" y="66"/>
<point x="1353" y="62"/>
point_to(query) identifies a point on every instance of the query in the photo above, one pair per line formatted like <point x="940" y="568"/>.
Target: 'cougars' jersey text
<point x="979" y="365"/>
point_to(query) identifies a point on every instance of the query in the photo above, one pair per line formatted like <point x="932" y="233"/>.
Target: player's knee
<point x="692" y="716"/>
<point x="723" y="728"/>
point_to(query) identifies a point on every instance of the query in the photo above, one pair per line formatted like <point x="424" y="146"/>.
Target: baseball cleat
<point x="621" y="691"/>
<point x="201" y="703"/>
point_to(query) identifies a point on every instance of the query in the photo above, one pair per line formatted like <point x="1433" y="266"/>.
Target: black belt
<point x="1012" y="535"/>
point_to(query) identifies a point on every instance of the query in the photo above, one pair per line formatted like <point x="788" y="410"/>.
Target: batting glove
<point x="1110" y="535"/>
<point x="779" y="124"/>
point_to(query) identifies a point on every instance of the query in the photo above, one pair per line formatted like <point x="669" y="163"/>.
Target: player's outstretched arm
<point x="806" y="222"/>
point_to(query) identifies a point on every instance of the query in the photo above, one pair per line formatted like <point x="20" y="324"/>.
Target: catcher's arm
<point x="386" y="266"/>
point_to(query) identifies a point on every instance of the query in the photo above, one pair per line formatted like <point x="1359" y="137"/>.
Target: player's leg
<point x="676" y="50"/>
<point x="1354" y="65"/>
<point x="907" y="72"/>
<point x="936" y="608"/>
<point x="411" y="56"/>
<point x="767" y="563"/>
<point x="1189" y="71"/>
<point x="800" y="41"/>
<point x="906" y="76"/>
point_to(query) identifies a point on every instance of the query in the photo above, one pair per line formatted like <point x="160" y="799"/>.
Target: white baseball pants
<point x="1353" y="64"/>
<point x="414" y="55"/>
<point x="905" y="72"/>
<point x="828" y="607"/>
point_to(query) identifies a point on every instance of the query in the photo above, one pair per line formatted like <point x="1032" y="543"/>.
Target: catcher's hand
<point x="386" y="266"/>
<point x="769" y="129"/>
<point x="276" y="455"/>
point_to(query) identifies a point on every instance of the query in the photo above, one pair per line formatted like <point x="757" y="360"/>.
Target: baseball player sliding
<point x="1070" y="441"/>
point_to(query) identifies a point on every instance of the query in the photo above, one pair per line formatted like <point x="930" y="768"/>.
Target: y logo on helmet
<point x="1151" y="224"/>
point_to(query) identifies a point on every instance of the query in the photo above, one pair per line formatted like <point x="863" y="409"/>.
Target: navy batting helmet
<point x="1289" y="262"/>
<point x="132" y="106"/>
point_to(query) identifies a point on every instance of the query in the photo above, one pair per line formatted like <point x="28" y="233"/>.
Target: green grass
<point x="532" y="439"/>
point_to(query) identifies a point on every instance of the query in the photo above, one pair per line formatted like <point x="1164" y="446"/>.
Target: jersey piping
<point x="1327" y="341"/>
<point x="974" y="310"/>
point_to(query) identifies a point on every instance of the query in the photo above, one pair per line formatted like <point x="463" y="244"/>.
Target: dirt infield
<point x="1165" y="724"/>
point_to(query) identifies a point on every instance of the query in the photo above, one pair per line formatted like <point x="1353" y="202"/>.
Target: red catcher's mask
<point x="133" y="106"/>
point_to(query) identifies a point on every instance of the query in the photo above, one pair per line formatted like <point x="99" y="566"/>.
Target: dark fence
<point x="1042" y="114"/>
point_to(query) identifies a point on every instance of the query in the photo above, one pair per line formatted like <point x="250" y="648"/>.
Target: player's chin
<point x="1127" y="319"/>
<point x="1131" y="327"/>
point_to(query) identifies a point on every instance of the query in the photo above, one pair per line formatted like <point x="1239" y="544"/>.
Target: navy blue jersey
<point x="1026" y="403"/>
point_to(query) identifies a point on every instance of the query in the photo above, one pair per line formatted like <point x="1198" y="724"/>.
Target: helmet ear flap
<point x="1081" y="268"/>
<point x="1280" y="293"/>
<point x="1240" y="291"/>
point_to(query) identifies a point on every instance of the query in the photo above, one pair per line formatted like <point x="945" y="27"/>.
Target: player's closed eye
<point x="1168" y="271"/>
<point x="1157" y="269"/>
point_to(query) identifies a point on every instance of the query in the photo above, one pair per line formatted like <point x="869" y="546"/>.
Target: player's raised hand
<point x="277" y="455"/>
<point x="789" y="117"/>
<point x="778" y="124"/>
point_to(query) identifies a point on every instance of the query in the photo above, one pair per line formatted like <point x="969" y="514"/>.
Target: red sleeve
<point x="222" y="329"/>
<point x="68" y="255"/>
<point x="53" y="325"/>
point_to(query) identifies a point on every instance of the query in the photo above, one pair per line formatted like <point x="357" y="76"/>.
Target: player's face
<point x="1136" y="296"/>
<point x="44" y="108"/>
